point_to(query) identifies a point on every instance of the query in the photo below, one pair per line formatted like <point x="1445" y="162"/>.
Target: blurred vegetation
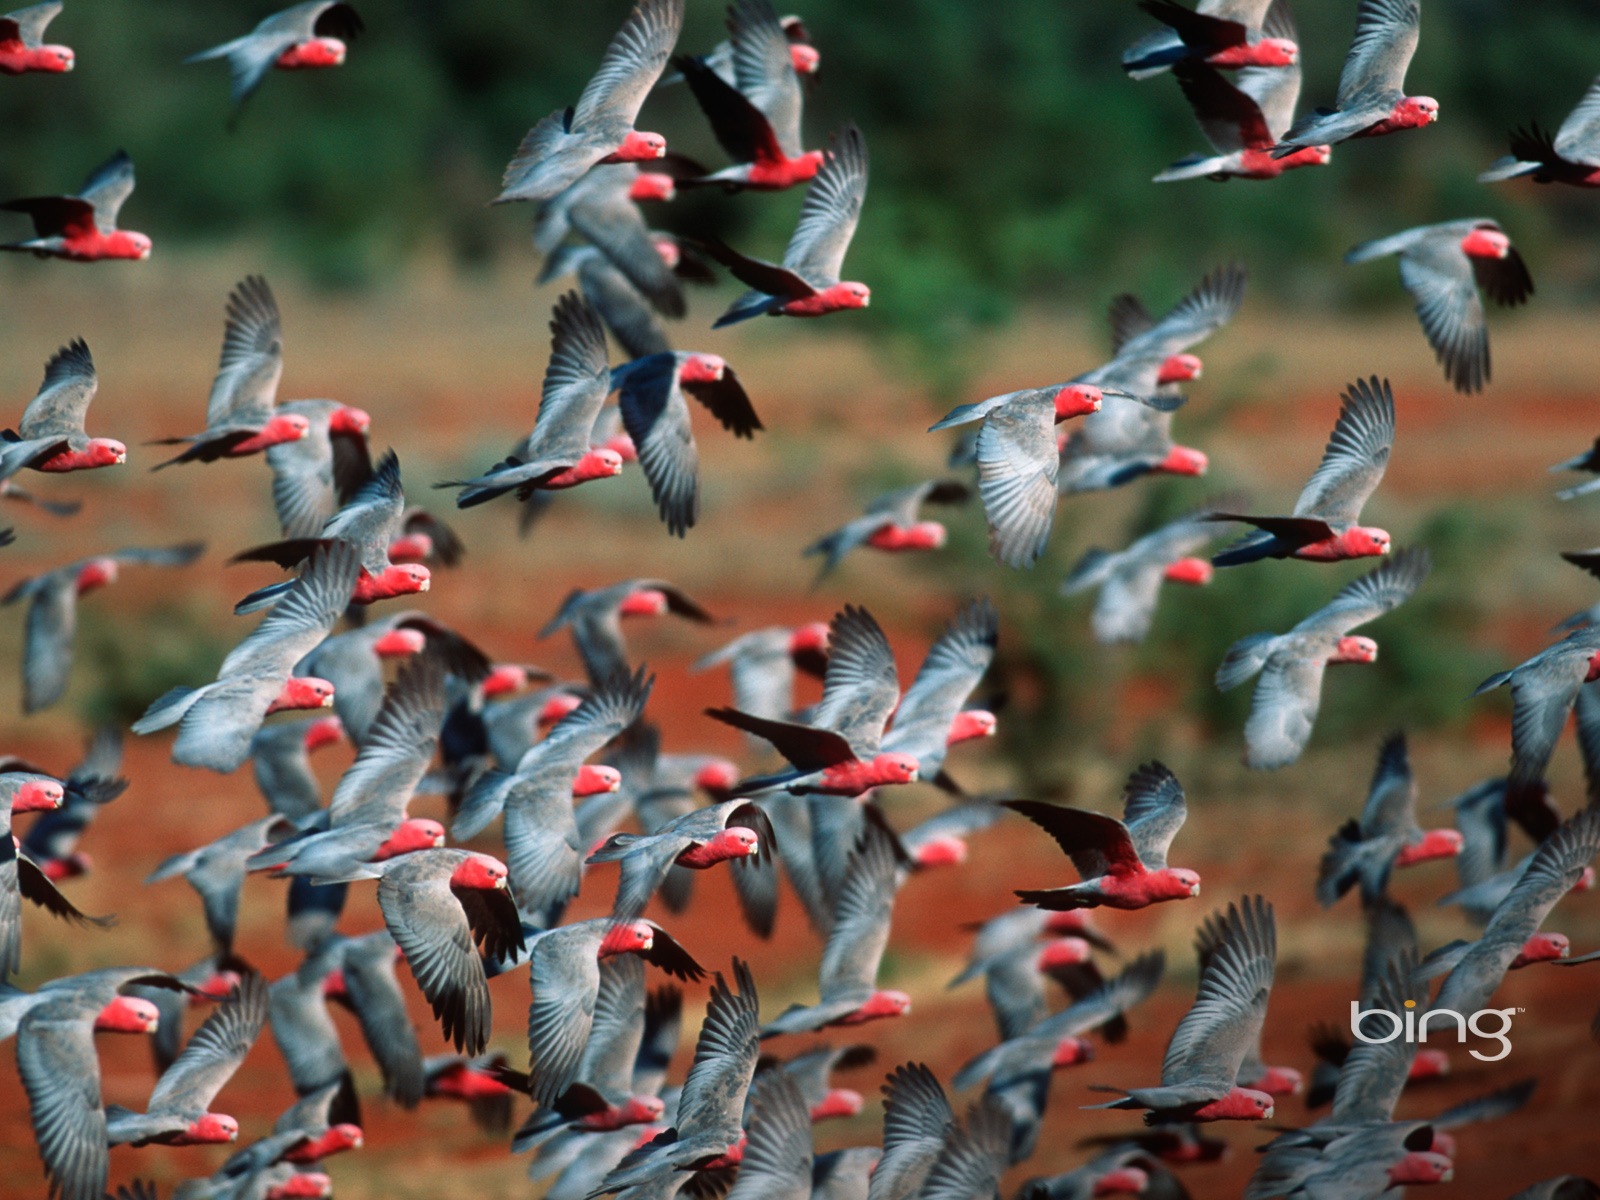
<point x="1011" y="158"/>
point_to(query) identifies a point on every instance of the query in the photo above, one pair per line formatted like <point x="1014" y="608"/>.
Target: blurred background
<point x="1010" y="200"/>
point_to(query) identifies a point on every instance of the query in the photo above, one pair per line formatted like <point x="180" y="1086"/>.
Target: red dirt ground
<point x="450" y="372"/>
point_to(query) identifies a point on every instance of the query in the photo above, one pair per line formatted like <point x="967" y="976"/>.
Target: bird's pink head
<point x="599" y="464"/>
<point x="702" y="368"/>
<point x="735" y="842"/>
<point x="644" y="602"/>
<point x="1486" y="243"/>
<point x="334" y="1140"/>
<point x="1435" y="843"/>
<point x="894" y="767"/>
<point x="1593" y="672"/>
<point x="400" y="643"/>
<point x="639" y="147"/>
<point x="411" y="548"/>
<point x="398" y="579"/>
<point x="1174" y="883"/>
<point x="1414" y="112"/>
<point x="96" y="573"/>
<point x="503" y="678"/>
<point x="1183" y="460"/>
<point x="1073" y="920"/>
<point x="1122" y="1181"/>
<point x="1275" y="52"/>
<point x="213" y="1129"/>
<point x="1279" y="1081"/>
<point x="284" y="427"/>
<point x="847" y="295"/>
<point x="38" y="795"/>
<point x="557" y="707"/>
<point x="640" y="1110"/>
<point x="1180" y="368"/>
<point x="466" y="1082"/>
<point x="595" y="780"/>
<point x="312" y="54"/>
<point x="303" y="692"/>
<point x="1420" y="1167"/>
<point x="623" y="445"/>
<point x="324" y="731"/>
<point x="1365" y="541"/>
<point x="652" y="185"/>
<point x="717" y="777"/>
<point x="1354" y="650"/>
<point x="1077" y="400"/>
<point x="628" y="937"/>
<point x="333" y="985"/>
<point x="348" y="421"/>
<point x="971" y="723"/>
<point x="839" y="1102"/>
<point x="1429" y="1064"/>
<point x="1585" y="881"/>
<point x="1070" y="1051"/>
<point x="125" y="243"/>
<point x="668" y="250"/>
<point x="946" y="850"/>
<point x="1542" y="947"/>
<point x="480" y="871"/>
<point x="52" y="60"/>
<point x="1443" y="1143"/>
<point x="1062" y="952"/>
<point x="1240" y="1104"/>
<point x="216" y="987"/>
<point x="303" y="1185"/>
<point x="103" y="452"/>
<point x="805" y="58"/>
<point x="885" y="1002"/>
<point x="411" y="835"/>
<point x="813" y="639"/>
<point x="1196" y="572"/>
<point x="128" y="1014"/>
<point x="922" y="535"/>
<point x="70" y="866"/>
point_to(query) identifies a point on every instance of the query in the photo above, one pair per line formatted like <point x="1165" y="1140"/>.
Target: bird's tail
<point x="1499" y="679"/>
<point x="483" y="803"/>
<point x="1341" y="865"/>
<point x="1509" y="167"/>
<point x="1195" y="166"/>
<point x="1089" y="571"/>
<point x="168" y="710"/>
<point x="1582" y="489"/>
<point x="1060" y="899"/>
<point x="1441" y="961"/>
<point x="1153" y="54"/>
<point x="1377" y="248"/>
<point x="263" y="598"/>
<point x="1252" y="547"/>
<point x="225" y="50"/>
<point x="1244" y="660"/>
<point x="614" y="848"/>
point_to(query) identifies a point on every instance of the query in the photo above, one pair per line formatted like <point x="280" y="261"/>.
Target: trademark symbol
<point x="1522" y="1010"/>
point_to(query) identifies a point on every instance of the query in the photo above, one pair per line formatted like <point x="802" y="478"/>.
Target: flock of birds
<point x="505" y="742"/>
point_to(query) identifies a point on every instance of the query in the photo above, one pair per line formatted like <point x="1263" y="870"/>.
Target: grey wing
<point x="214" y="1052"/>
<point x="1385" y="39"/>
<point x="395" y="749"/>
<point x="725" y="1056"/>
<point x="428" y="923"/>
<point x="303" y="484"/>
<point x="1373" y="1074"/>
<point x="622" y="308"/>
<point x="656" y="417"/>
<point x="62" y="403"/>
<point x="1283" y="709"/>
<point x="32" y="21"/>
<point x="302" y="1028"/>
<point x="246" y="383"/>
<point x="916" y="1118"/>
<point x="107" y="189"/>
<point x="1542" y="695"/>
<point x="1356" y="455"/>
<point x="1440" y="278"/>
<point x="1153" y="809"/>
<point x="631" y="65"/>
<point x="381" y="1009"/>
<point x="48" y="641"/>
<point x="860" y="687"/>
<point x="543" y="851"/>
<point x="1276" y="90"/>
<point x="1213" y="303"/>
<point x="1368" y="597"/>
<point x="618" y="1027"/>
<point x="1557" y="865"/>
<point x="831" y="210"/>
<point x="953" y="667"/>
<point x="1226" y="1018"/>
<point x="1017" y="469"/>
<point x="1391" y="799"/>
<point x="613" y="223"/>
<point x="1578" y="139"/>
<point x="302" y="619"/>
<point x="861" y="919"/>
<point x="1126" y="605"/>
<point x="974" y="1157"/>
<point x="575" y="382"/>
<point x="777" y="1156"/>
<point x="763" y="69"/>
<point x="179" y="555"/>
<point x="603" y="714"/>
<point x="61" y="1074"/>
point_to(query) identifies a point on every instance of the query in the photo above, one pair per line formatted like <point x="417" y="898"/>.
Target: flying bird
<point x="1443" y="267"/>
<point x="52" y="620"/>
<point x="1291" y="665"/>
<point x="51" y="435"/>
<point x="1324" y="525"/>
<point x="1130" y="581"/>
<point x="83" y="228"/>
<point x="756" y="116"/>
<point x="1372" y="99"/>
<point x="890" y="523"/>
<point x="22" y="44"/>
<point x="217" y="721"/>
<point x="1202" y="1062"/>
<point x="1244" y="118"/>
<point x="808" y="283"/>
<point x="305" y="37"/>
<point x="1123" y="863"/>
<point x="600" y="127"/>
<point x="241" y="413"/>
<point x="1227" y="35"/>
<point x="1572" y="156"/>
